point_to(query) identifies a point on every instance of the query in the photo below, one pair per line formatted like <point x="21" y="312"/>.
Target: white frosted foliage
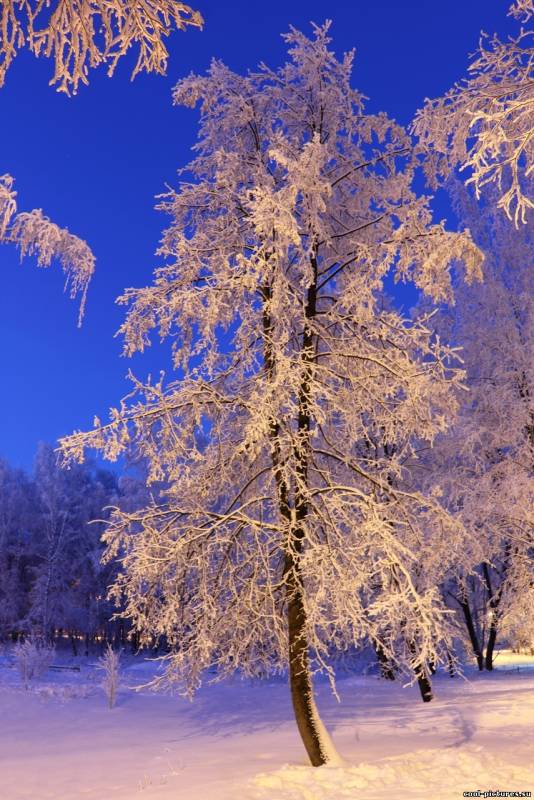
<point x="82" y="34"/>
<point x="286" y="443"/>
<point x="485" y="463"/>
<point x="35" y="235"/>
<point x="485" y="123"/>
<point x="109" y="663"/>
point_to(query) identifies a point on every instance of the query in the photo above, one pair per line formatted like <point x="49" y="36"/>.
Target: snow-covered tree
<point x="485" y="123"/>
<point x="52" y="578"/>
<point x="487" y="459"/>
<point x="82" y="34"/>
<point x="109" y="663"/>
<point x="289" y="528"/>
<point x="33" y="657"/>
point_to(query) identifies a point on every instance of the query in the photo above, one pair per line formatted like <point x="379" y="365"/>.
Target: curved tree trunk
<point x="314" y="736"/>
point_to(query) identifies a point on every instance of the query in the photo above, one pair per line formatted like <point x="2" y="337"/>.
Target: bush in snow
<point x="33" y="656"/>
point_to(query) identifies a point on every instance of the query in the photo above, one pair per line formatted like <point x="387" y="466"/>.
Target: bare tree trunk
<point x="425" y="686"/>
<point x="464" y="605"/>
<point x="490" y="647"/>
<point x="423" y="678"/>
<point x="494" y="602"/>
<point x="306" y="715"/>
<point x="451" y="669"/>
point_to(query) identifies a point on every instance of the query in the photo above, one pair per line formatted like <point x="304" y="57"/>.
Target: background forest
<point x="53" y="583"/>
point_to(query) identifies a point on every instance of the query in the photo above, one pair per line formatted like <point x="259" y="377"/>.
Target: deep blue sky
<point x="94" y="163"/>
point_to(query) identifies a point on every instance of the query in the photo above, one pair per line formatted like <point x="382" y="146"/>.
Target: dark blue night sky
<point x="94" y="163"/>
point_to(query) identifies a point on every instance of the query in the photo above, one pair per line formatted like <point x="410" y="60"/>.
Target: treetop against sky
<point x="94" y="162"/>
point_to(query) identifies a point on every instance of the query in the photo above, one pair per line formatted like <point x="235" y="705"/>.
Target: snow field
<point x="59" y="741"/>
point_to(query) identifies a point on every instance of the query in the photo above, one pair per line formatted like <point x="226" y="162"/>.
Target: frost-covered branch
<point x="522" y="9"/>
<point x="35" y="235"/>
<point x="485" y="124"/>
<point x="82" y="34"/>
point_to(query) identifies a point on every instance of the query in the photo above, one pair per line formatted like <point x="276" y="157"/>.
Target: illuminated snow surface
<point x="59" y="741"/>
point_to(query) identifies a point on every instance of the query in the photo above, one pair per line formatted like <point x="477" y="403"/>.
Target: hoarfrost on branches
<point x="35" y="234"/>
<point x="290" y="527"/>
<point x="78" y="35"/>
<point x="82" y="34"/>
<point x="8" y="203"/>
<point x="485" y="123"/>
<point x="522" y="9"/>
<point x="33" y="657"/>
<point x="485" y="464"/>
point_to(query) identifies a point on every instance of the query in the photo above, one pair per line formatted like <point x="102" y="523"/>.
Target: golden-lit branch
<point x="82" y="34"/>
<point x="35" y="235"/>
<point x="485" y="124"/>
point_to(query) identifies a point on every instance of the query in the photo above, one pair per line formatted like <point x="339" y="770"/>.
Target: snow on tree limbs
<point x="82" y="34"/>
<point x="78" y="35"/>
<point x="290" y="527"/>
<point x="485" y="464"/>
<point x="35" y="234"/>
<point x="485" y="124"/>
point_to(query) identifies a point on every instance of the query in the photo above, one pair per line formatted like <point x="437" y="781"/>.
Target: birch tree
<point x="279" y="538"/>
<point x="485" y="123"/>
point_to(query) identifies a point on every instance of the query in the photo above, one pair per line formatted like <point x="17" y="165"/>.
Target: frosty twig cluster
<point x="35" y="234"/>
<point x="485" y="124"/>
<point x="82" y="34"/>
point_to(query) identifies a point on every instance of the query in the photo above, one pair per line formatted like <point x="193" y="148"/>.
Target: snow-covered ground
<point x="237" y="741"/>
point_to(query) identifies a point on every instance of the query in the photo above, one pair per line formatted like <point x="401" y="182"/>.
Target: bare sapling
<point x="109" y="663"/>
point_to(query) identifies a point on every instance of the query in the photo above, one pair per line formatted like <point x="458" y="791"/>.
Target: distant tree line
<point x="53" y="583"/>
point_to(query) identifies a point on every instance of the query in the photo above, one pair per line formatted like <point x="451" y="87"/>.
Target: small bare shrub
<point x="109" y="663"/>
<point x="33" y="657"/>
